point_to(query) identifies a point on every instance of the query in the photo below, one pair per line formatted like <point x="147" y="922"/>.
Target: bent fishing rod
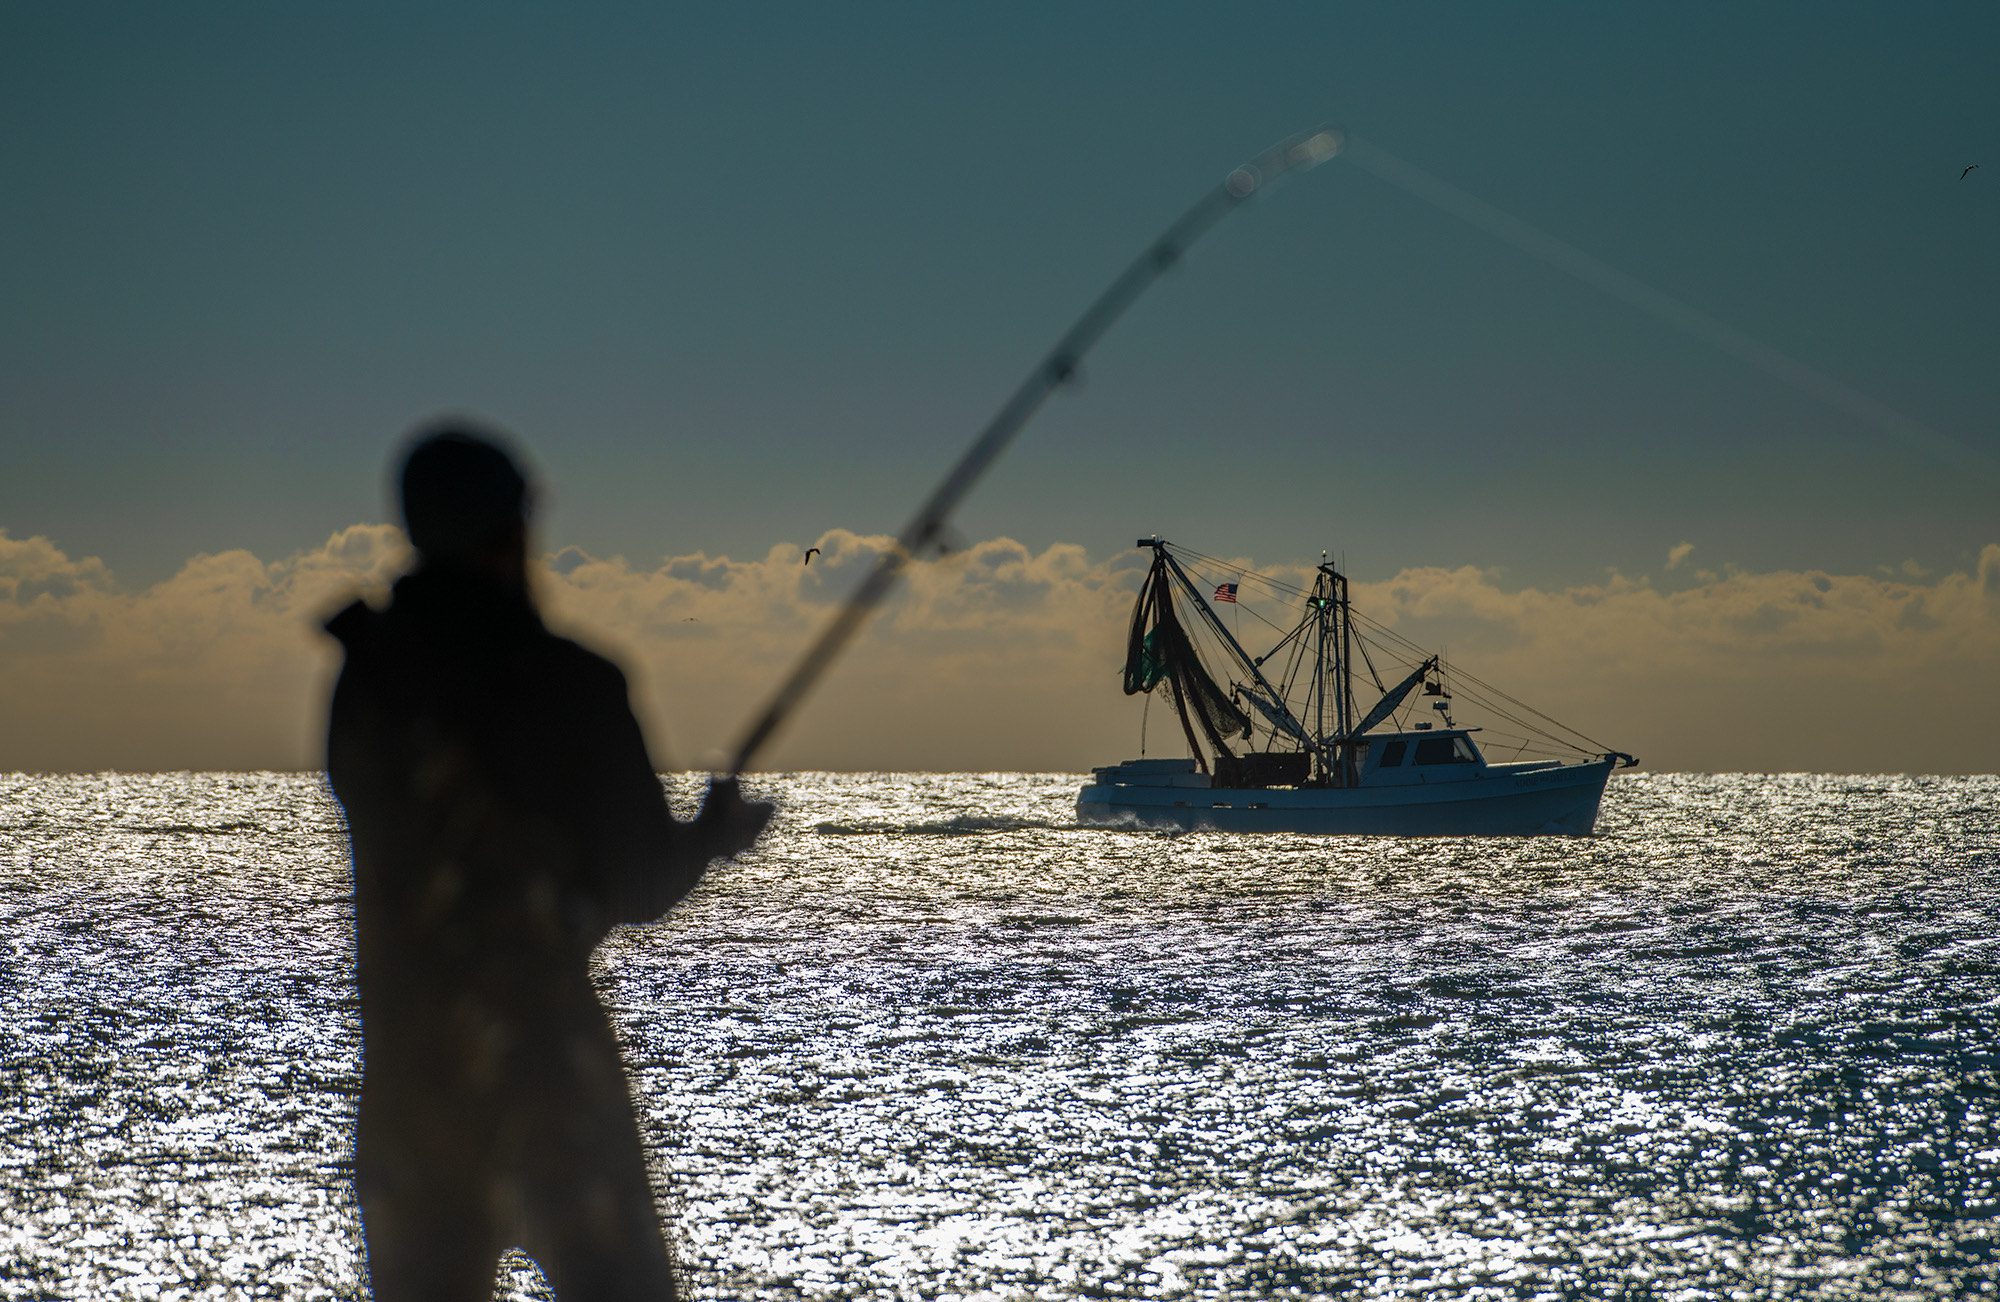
<point x="1298" y="153"/>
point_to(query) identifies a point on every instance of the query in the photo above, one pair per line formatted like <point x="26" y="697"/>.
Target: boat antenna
<point x="1296" y="153"/>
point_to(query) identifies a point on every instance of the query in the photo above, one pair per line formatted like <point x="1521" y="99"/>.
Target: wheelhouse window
<point x="1445" y="750"/>
<point x="1392" y="753"/>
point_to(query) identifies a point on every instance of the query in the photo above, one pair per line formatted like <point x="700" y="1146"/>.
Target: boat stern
<point x="1117" y="794"/>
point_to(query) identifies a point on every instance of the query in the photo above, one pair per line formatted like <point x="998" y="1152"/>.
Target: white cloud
<point x="216" y="667"/>
<point x="1001" y="656"/>
<point x="1678" y="553"/>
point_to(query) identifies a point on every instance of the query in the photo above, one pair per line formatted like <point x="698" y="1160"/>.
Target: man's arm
<point x="642" y="859"/>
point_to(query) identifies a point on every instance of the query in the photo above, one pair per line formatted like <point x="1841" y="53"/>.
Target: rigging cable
<point x="1563" y="735"/>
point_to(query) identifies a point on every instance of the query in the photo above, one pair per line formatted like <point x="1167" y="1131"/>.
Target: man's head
<point x="465" y="498"/>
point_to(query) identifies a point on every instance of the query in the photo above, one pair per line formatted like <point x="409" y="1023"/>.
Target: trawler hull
<point x="1498" y="800"/>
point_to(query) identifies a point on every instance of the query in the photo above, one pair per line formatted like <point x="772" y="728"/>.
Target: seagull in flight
<point x="1967" y="172"/>
<point x="810" y="553"/>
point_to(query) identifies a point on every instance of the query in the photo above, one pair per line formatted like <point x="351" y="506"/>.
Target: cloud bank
<point x="1004" y="657"/>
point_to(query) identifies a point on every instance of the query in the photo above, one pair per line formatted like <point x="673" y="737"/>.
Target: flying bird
<point x="1967" y="172"/>
<point x="810" y="553"/>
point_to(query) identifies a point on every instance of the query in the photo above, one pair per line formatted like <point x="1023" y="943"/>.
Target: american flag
<point x="1226" y="592"/>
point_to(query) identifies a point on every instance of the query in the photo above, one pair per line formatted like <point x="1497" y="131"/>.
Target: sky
<point x="1645" y="353"/>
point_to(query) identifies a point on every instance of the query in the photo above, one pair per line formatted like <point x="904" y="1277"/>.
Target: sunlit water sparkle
<point x="934" y="1040"/>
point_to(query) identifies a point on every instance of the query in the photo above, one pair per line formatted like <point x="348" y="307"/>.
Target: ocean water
<point x="936" y="1041"/>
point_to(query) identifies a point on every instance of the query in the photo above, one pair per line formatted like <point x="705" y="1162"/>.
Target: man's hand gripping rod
<point x="1296" y="154"/>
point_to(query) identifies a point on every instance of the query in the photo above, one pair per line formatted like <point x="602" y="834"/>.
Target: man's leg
<point x="425" y="1189"/>
<point x="427" y="1245"/>
<point x="589" y="1218"/>
<point x="608" y="1247"/>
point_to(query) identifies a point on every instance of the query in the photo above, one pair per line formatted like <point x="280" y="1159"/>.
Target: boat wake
<point x="957" y="825"/>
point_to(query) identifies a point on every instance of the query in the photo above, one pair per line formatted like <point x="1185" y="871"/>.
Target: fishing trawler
<point x="1276" y="742"/>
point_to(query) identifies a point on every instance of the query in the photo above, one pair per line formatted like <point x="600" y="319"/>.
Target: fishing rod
<point x="1298" y="153"/>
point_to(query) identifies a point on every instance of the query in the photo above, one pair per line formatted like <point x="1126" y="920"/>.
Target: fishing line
<point x="1664" y="307"/>
<point x="1298" y="153"/>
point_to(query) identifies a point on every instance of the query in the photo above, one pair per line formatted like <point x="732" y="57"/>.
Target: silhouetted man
<point x="503" y="815"/>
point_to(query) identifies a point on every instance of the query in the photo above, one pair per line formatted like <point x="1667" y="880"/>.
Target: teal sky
<point x="741" y="274"/>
